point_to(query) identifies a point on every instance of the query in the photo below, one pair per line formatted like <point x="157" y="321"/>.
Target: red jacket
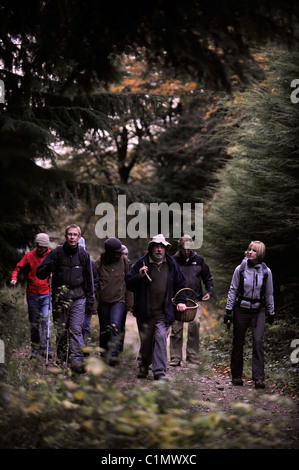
<point x="31" y="261"/>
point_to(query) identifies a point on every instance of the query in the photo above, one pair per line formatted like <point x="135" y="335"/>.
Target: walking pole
<point x="67" y="325"/>
<point x="49" y="315"/>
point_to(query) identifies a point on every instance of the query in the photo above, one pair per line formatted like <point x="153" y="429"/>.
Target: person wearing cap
<point x="112" y="297"/>
<point x="38" y="294"/>
<point x="155" y="279"/>
<point x="73" y="293"/>
<point x="89" y="312"/>
<point x="196" y="272"/>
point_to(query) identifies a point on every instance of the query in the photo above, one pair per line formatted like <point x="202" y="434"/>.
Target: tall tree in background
<point x="188" y="154"/>
<point x="151" y="103"/>
<point x="56" y="54"/>
<point x="258" y="193"/>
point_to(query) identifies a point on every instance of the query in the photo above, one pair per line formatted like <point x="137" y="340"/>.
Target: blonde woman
<point x="250" y="300"/>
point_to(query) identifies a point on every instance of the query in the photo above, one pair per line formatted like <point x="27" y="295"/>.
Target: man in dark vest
<point x="73" y="293"/>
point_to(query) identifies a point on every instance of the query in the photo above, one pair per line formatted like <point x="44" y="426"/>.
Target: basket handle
<point x="184" y="288"/>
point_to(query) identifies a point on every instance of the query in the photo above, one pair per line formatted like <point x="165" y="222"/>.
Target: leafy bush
<point x="49" y="408"/>
<point x="87" y="413"/>
<point x="15" y="332"/>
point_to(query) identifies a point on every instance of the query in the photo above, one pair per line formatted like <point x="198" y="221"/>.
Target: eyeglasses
<point x="73" y="234"/>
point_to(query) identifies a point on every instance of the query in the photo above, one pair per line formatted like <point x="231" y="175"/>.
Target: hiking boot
<point x="237" y="381"/>
<point x="114" y="361"/>
<point x="192" y="360"/>
<point x="44" y="354"/>
<point x="259" y="384"/>
<point x="78" y="368"/>
<point x="160" y="377"/>
<point x="34" y="355"/>
<point x="175" y="363"/>
<point x="143" y="372"/>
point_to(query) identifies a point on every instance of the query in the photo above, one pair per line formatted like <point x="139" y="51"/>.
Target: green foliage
<point x="86" y="413"/>
<point x="189" y="152"/>
<point x="52" y="65"/>
<point x="49" y="408"/>
<point x="14" y="331"/>
<point x="207" y="41"/>
<point x="258" y="193"/>
<point x="113" y="146"/>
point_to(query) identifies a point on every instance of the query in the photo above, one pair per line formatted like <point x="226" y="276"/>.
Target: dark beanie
<point x="113" y="245"/>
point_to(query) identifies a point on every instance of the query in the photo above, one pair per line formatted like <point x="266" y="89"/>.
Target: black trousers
<point x="244" y="318"/>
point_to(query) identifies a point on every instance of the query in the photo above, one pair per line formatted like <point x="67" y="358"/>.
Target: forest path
<point x="206" y="388"/>
<point x="210" y="389"/>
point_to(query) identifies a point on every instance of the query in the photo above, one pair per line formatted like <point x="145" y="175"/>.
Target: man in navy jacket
<point x="155" y="279"/>
<point x="196" y="271"/>
<point x="73" y="294"/>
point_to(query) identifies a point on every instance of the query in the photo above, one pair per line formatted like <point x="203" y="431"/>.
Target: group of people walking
<point x="71" y="285"/>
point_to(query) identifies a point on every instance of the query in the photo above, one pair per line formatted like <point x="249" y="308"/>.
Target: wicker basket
<point x="190" y="312"/>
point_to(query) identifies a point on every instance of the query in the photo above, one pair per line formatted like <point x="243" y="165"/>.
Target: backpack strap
<point x="241" y="284"/>
<point x="265" y="276"/>
<point x="82" y="256"/>
<point x="59" y="254"/>
<point x="81" y="250"/>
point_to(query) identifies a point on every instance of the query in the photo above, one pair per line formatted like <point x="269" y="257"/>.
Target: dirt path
<point x="213" y="391"/>
<point x="208" y="389"/>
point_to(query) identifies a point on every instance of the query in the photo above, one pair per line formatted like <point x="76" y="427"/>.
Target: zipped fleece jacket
<point x="30" y="262"/>
<point x="112" y="282"/>
<point x="195" y="269"/>
<point x="253" y="282"/>
<point x="68" y="271"/>
<point x="141" y="287"/>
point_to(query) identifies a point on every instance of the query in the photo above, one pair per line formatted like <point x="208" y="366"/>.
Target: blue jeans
<point x="39" y="313"/>
<point x="111" y="319"/>
<point x="86" y="325"/>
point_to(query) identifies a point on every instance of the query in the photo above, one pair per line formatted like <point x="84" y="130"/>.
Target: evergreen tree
<point x="258" y="192"/>
<point x="110" y="154"/>
<point x="190" y="151"/>
<point x="56" y="53"/>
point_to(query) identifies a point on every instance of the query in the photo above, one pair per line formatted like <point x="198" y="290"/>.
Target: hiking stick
<point x="146" y="273"/>
<point x="49" y="315"/>
<point x="67" y="340"/>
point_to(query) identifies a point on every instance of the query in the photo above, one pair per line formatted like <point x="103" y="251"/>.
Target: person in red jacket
<point x="38" y="294"/>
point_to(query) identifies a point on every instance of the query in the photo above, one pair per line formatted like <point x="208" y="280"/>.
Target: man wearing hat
<point x="113" y="298"/>
<point x="155" y="279"/>
<point x="38" y="296"/>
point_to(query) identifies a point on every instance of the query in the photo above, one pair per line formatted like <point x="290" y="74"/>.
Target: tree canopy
<point x="188" y="154"/>
<point x="58" y="57"/>
<point x="209" y="40"/>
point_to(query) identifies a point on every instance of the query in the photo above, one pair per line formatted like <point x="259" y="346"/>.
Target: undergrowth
<point x="53" y="409"/>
